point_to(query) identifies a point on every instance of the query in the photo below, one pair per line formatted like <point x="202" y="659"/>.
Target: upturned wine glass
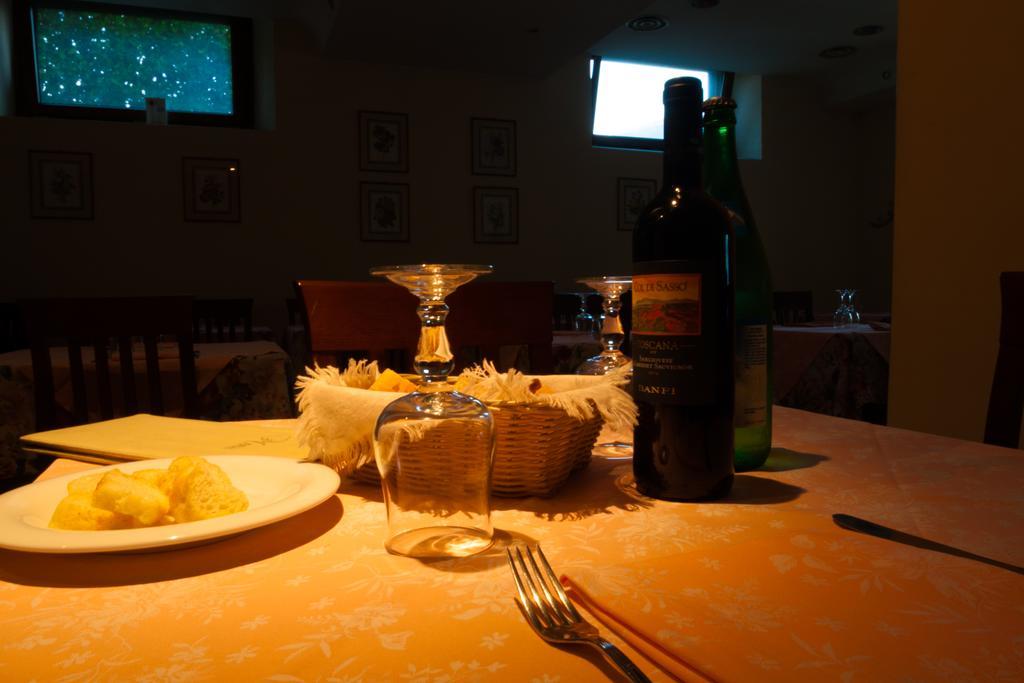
<point x="435" y="447"/>
<point x="611" y="288"/>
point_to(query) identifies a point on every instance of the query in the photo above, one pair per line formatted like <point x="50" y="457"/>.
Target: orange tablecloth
<point x="316" y="597"/>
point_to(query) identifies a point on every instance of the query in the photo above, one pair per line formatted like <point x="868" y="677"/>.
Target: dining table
<point x="840" y="371"/>
<point x="758" y="586"/>
<point x="235" y="380"/>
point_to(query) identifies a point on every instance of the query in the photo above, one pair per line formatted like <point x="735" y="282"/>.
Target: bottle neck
<point x="720" y="165"/>
<point x="682" y="158"/>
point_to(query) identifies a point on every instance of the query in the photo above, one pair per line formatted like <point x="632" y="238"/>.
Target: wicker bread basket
<point x="538" y="447"/>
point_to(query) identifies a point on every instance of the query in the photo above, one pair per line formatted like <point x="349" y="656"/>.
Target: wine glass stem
<point x="434" y="358"/>
<point x="611" y="329"/>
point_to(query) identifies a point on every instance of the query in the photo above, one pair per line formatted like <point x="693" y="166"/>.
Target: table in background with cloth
<point x="236" y="381"/>
<point x="759" y="586"/>
<point x="836" y="371"/>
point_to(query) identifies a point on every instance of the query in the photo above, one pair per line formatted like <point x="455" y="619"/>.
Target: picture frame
<point x="634" y="194"/>
<point x="494" y="147"/>
<point x="496" y="215"/>
<point x="383" y="141"/>
<point x="384" y="212"/>
<point x="211" y="190"/>
<point x="61" y="184"/>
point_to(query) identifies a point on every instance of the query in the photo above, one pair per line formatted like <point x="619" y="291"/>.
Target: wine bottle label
<point x="751" y="376"/>
<point x="670" y="350"/>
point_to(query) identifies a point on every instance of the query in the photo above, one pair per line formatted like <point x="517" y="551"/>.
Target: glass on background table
<point x="435" y="447"/>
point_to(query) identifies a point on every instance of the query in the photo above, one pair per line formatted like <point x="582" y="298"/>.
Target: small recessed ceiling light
<point x="837" y="52"/>
<point x="703" y="4"/>
<point x="868" y="30"/>
<point x="648" y="23"/>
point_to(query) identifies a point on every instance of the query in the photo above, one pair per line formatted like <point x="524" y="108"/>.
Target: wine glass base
<point x="440" y="541"/>
<point x="602" y="364"/>
<point x="614" y="450"/>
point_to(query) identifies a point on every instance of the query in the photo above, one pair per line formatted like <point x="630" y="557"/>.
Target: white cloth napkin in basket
<point x="338" y="412"/>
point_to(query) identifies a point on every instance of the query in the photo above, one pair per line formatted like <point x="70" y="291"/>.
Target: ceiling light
<point x="868" y="30"/>
<point x="837" y="52"/>
<point x="648" y="23"/>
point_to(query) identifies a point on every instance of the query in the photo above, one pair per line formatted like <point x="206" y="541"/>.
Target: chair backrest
<point x="491" y="315"/>
<point x="12" y="331"/>
<point x="294" y="307"/>
<point x="793" y="307"/>
<point x="100" y="324"/>
<point x="378" y="321"/>
<point x="346" y="319"/>
<point x="1006" y="401"/>
<point x="222" y="320"/>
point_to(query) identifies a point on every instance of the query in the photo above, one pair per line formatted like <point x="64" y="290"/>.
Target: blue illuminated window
<point x="91" y="59"/>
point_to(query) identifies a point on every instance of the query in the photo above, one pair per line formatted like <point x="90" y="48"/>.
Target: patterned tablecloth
<point x="236" y="380"/>
<point x="758" y="587"/>
<point x="841" y="372"/>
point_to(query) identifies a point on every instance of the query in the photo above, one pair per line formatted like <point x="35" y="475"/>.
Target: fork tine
<point x="562" y="597"/>
<point x="523" y="602"/>
<point x="533" y="599"/>
<point x="564" y="616"/>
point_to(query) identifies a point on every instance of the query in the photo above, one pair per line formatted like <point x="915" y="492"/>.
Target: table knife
<point x="865" y="527"/>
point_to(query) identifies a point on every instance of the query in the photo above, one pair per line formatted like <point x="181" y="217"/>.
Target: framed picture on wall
<point x="634" y="194"/>
<point x="384" y="212"/>
<point x="494" y="147"/>
<point x="61" y="184"/>
<point x="496" y="215"/>
<point x="211" y="190"/>
<point x="383" y="141"/>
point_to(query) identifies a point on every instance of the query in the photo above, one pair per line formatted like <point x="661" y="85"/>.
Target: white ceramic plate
<point x="277" y="488"/>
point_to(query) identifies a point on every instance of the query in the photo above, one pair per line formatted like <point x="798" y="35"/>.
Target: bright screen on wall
<point x="108" y="57"/>
<point x="627" y="107"/>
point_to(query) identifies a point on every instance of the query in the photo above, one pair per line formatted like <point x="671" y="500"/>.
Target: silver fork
<point x="548" y="610"/>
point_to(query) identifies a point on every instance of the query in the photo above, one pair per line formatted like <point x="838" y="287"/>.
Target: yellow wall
<point x="959" y="216"/>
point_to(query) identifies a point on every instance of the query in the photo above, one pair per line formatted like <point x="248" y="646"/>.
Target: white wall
<point x="300" y="189"/>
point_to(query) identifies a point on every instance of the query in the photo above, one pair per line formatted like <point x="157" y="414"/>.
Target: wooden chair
<point x="793" y="307"/>
<point x="218" y="320"/>
<point x="78" y="323"/>
<point x="344" y="319"/>
<point x="1006" y="401"/>
<point x="378" y="321"/>
<point x="12" y="332"/>
<point x="489" y="315"/>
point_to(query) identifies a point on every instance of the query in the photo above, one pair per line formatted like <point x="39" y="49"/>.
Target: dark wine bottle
<point x="682" y="320"/>
<point x="753" y="418"/>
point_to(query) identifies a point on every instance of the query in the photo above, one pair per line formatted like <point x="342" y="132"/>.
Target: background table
<point x="316" y="597"/>
<point x="836" y="371"/>
<point x="236" y="381"/>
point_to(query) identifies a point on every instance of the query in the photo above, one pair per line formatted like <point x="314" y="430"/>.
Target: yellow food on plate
<point x="204" y="492"/>
<point x="77" y="512"/>
<point x="389" y="380"/>
<point x="133" y="497"/>
<point x="190" y="489"/>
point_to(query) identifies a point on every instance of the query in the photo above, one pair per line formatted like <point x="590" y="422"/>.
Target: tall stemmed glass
<point x="435" y="447"/>
<point x="611" y="288"/>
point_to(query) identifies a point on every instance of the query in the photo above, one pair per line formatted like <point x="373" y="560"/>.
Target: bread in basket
<point x="545" y="425"/>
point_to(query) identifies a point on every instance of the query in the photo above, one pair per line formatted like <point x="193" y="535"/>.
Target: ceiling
<point x="759" y="36"/>
<point x="532" y="38"/>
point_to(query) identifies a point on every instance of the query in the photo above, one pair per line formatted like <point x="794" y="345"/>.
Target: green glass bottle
<point x="753" y="346"/>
